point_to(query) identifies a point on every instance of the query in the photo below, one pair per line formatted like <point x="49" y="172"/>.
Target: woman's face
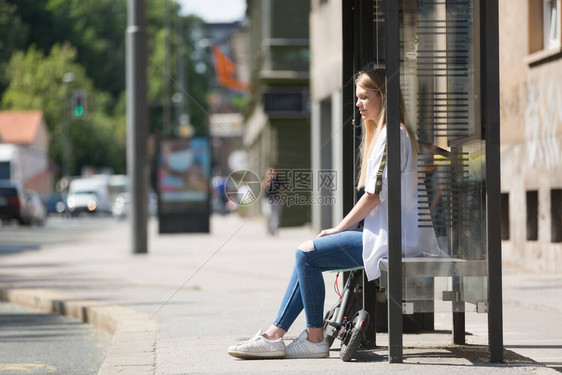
<point x="369" y="103"/>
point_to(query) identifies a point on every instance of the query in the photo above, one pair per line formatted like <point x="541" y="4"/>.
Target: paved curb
<point x="133" y="347"/>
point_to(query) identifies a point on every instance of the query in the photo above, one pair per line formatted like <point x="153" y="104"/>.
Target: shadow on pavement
<point x="480" y="355"/>
<point x="553" y="365"/>
<point x="30" y="265"/>
<point x="477" y="355"/>
<point x="534" y="346"/>
<point x="6" y="249"/>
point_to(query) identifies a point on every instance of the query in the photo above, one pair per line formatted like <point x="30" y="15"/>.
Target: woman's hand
<point x="328" y="231"/>
<point x="361" y="209"/>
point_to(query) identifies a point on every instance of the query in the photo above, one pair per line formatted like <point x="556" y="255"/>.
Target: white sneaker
<point x="302" y="348"/>
<point x="258" y="347"/>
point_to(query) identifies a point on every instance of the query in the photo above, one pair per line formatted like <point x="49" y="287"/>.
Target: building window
<point x="556" y="215"/>
<point x="505" y="216"/>
<point x="544" y="25"/>
<point x="551" y="24"/>
<point x="532" y="215"/>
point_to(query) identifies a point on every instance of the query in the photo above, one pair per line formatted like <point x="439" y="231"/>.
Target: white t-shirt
<point x="415" y="241"/>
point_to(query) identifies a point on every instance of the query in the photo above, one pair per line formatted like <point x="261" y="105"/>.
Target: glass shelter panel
<point x="440" y="83"/>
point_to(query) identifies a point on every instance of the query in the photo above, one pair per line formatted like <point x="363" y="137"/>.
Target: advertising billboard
<point x="183" y="169"/>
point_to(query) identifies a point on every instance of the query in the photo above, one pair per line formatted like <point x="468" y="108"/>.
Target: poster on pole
<point x="183" y="172"/>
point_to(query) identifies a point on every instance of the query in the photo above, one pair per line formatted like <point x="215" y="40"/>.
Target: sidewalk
<point x="177" y="309"/>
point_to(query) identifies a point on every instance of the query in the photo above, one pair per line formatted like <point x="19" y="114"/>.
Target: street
<point x="35" y="343"/>
<point x="16" y="238"/>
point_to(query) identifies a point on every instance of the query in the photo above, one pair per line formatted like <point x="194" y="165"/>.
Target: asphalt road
<point x="35" y="343"/>
<point x="15" y="238"/>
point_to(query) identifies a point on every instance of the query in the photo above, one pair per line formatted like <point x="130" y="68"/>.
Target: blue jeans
<point x="306" y="287"/>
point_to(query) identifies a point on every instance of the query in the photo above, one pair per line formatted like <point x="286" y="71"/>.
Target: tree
<point x="87" y="37"/>
<point x="196" y="69"/>
<point x="13" y="35"/>
<point x="36" y="82"/>
<point x="96" y="28"/>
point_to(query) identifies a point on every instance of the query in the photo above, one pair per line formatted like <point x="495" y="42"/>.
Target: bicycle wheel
<point x="330" y="315"/>
<point x="350" y="345"/>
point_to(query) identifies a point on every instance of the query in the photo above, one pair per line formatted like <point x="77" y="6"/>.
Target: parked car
<point x="35" y="211"/>
<point x="88" y="195"/>
<point x="13" y="203"/>
<point x="121" y="205"/>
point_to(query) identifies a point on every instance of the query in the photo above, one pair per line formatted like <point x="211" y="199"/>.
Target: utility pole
<point x="166" y="72"/>
<point x="68" y="78"/>
<point x="181" y="74"/>
<point x="137" y="114"/>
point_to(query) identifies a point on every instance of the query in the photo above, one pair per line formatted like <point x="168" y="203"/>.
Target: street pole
<point x="180" y="115"/>
<point x="395" y="328"/>
<point x="167" y="71"/>
<point x="67" y="80"/>
<point x="137" y="166"/>
<point x="66" y="143"/>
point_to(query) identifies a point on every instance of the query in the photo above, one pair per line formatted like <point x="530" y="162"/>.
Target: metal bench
<point x="439" y="267"/>
<point x="419" y="294"/>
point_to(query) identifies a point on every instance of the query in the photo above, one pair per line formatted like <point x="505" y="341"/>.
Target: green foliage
<point x="239" y="102"/>
<point x="200" y="72"/>
<point x="95" y="142"/>
<point x="41" y="40"/>
<point x="197" y="57"/>
<point x="155" y="70"/>
<point x="96" y="28"/>
<point x="13" y="34"/>
<point x="36" y="82"/>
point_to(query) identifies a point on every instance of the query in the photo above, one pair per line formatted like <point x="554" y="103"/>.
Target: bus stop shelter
<point x="443" y="56"/>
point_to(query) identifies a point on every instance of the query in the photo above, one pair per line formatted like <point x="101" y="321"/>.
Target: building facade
<point x="231" y="70"/>
<point x="531" y="133"/>
<point x="277" y="120"/>
<point x="24" y="142"/>
<point x="326" y="103"/>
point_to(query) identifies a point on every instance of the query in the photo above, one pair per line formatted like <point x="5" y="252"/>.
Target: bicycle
<point x="337" y="324"/>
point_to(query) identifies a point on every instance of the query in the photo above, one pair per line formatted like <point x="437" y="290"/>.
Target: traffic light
<point x="79" y="104"/>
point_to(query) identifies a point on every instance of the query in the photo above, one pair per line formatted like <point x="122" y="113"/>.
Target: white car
<point x="121" y="205"/>
<point x="88" y="195"/>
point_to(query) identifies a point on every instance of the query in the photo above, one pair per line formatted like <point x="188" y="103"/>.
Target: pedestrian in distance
<point x="345" y="245"/>
<point x="272" y="202"/>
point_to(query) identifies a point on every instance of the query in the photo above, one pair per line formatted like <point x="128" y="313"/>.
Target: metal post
<point x="181" y="70"/>
<point x="68" y="78"/>
<point x="349" y="115"/>
<point x="166" y="72"/>
<point x="392" y="34"/>
<point x="365" y="52"/>
<point x="348" y="133"/>
<point x="137" y="167"/>
<point x="367" y="46"/>
<point x="66" y="143"/>
<point x="459" y="321"/>
<point x="491" y="117"/>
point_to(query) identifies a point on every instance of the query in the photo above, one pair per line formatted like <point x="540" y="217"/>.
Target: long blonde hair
<point x="374" y="79"/>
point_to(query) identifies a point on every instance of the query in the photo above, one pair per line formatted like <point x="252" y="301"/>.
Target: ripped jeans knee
<point x="306" y="246"/>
